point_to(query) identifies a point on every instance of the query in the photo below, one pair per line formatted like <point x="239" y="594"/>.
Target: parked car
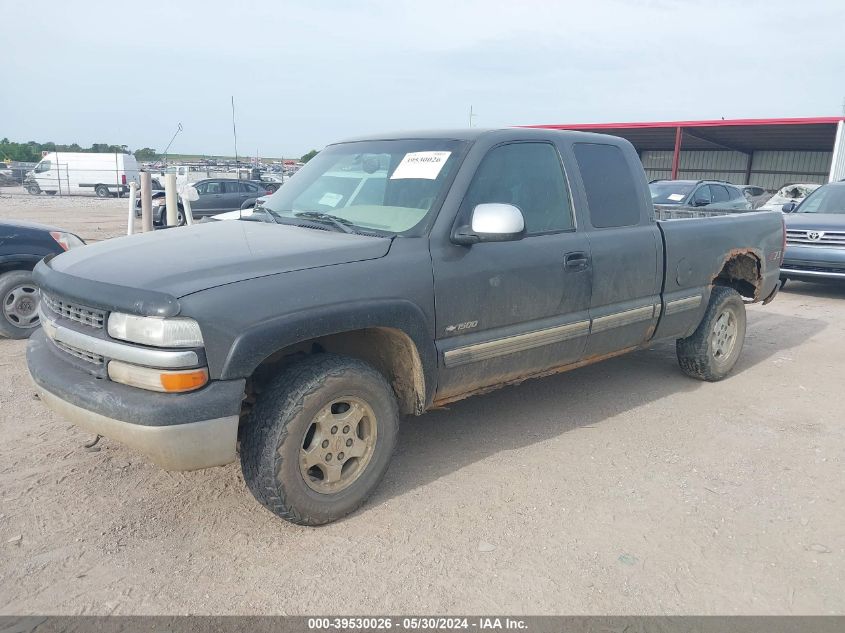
<point x="789" y="193"/>
<point x="272" y="182"/>
<point x="7" y="176"/>
<point x="22" y="245"/>
<point x="699" y="193"/>
<point x="471" y="266"/>
<point x="755" y="195"/>
<point x="815" y="236"/>
<point x="216" y="195"/>
<point x="83" y="172"/>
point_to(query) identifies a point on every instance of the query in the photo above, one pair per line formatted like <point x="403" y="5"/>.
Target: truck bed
<point x="696" y="249"/>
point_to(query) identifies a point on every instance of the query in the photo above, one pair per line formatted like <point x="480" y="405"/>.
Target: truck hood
<point x="180" y="261"/>
<point x="815" y="221"/>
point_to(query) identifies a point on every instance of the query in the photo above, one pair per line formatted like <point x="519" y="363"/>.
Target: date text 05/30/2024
<point x="417" y="623"/>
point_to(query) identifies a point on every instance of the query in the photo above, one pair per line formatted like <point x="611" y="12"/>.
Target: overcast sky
<point x="306" y="73"/>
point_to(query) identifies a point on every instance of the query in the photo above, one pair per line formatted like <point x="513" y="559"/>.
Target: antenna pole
<point x="234" y="132"/>
<point x="178" y="129"/>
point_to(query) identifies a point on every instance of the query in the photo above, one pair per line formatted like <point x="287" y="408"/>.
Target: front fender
<point x="260" y="341"/>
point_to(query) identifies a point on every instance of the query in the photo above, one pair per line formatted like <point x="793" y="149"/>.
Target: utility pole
<point x="471" y="116"/>
<point x="234" y="132"/>
<point x="178" y="129"/>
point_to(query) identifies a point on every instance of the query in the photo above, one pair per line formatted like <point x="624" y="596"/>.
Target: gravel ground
<point x="92" y="219"/>
<point x="620" y="488"/>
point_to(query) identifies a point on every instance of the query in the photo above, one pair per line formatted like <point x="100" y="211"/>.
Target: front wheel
<point x="319" y="439"/>
<point x="711" y="352"/>
<point x="33" y="190"/>
<point x="19" y="296"/>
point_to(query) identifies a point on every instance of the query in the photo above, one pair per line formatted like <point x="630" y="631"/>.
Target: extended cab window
<point x="528" y="176"/>
<point x="611" y="193"/>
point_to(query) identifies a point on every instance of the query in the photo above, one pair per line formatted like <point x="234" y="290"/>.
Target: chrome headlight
<point x="156" y="331"/>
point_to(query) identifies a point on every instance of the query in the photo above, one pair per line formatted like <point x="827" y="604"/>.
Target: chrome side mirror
<point x="492" y="222"/>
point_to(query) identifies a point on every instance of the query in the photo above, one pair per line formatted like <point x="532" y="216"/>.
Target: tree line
<point x="30" y="152"/>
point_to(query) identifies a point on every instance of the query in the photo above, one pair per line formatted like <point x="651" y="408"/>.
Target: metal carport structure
<point x="766" y="152"/>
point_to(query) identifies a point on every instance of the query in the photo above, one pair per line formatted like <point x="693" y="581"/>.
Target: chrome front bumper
<point x="181" y="431"/>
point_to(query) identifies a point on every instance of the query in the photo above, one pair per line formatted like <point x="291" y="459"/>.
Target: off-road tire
<point x="102" y="191"/>
<point x="273" y="435"/>
<point x="695" y="352"/>
<point x="8" y="282"/>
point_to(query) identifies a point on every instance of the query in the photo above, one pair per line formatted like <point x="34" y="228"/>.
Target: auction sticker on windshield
<point x="330" y="199"/>
<point x="677" y="197"/>
<point x="426" y="165"/>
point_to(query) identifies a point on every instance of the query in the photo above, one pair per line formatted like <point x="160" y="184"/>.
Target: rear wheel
<point x="711" y="352"/>
<point x="19" y="296"/>
<point x="102" y="191"/>
<point x="319" y="439"/>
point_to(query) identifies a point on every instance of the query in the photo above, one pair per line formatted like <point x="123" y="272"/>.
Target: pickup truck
<point x="441" y="265"/>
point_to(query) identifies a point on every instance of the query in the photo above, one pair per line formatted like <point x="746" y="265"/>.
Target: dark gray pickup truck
<point x="391" y="275"/>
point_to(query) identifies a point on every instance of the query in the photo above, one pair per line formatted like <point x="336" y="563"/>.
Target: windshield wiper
<point x="341" y="223"/>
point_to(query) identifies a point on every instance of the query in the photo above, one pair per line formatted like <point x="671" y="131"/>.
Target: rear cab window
<point x="612" y="196"/>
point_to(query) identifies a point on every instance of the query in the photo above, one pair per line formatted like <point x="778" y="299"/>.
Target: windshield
<point x="830" y="199"/>
<point x="389" y="186"/>
<point x="670" y="192"/>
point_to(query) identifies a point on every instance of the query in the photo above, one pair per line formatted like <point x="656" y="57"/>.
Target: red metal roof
<point x="745" y="135"/>
<point x="710" y="123"/>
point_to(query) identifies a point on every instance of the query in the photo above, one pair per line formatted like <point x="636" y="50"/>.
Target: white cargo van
<point x="78" y="172"/>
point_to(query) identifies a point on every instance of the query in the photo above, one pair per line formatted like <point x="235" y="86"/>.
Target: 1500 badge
<point x="460" y="327"/>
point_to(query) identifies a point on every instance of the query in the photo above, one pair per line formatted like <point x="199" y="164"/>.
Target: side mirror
<point x="700" y="203"/>
<point x="789" y="207"/>
<point x="492" y="222"/>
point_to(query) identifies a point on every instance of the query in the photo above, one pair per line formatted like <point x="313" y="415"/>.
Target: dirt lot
<point x="621" y="488"/>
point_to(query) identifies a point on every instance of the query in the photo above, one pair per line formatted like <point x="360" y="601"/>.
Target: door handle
<point x="575" y="261"/>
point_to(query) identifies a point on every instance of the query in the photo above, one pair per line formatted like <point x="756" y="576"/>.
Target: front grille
<point x="82" y="354"/>
<point x="835" y="239"/>
<point x="81" y="314"/>
<point x="817" y="269"/>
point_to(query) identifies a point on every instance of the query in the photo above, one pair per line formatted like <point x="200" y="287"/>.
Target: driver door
<point x="508" y="309"/>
